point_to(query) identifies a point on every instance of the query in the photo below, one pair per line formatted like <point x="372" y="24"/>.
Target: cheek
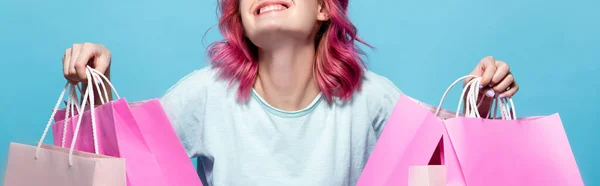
<point x="246" y="22"/>
<point x="244" y="9"/>
<point x="244" y="4"/>
<point x="307" y="11"/>
<point x="304" y="16"/>
<point x="246" y="19"/>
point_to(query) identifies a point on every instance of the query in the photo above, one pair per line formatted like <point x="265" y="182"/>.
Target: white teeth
<point x="271" y="8"/>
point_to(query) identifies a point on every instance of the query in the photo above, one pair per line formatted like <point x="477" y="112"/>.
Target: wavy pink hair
<point x="338" y="66"/>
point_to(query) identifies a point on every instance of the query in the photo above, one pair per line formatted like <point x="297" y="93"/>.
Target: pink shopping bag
<point x="508" y="151"/>
<point x="138" y="132"/>
<point x="528" y="151"/>
<point x="474" y="150"/>
<point x="56" y="166"/>
<point x="409" y="138"/>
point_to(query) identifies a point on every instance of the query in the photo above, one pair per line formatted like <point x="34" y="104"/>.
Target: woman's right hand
<point x="80" y="55"/>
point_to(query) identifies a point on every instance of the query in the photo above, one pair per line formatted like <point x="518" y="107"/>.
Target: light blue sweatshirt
<point x="253" y="143"/>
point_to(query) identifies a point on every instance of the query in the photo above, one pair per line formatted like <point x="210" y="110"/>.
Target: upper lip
<point x="270" y="2"/>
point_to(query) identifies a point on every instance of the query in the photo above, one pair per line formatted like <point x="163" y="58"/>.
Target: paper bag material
<point x="51" y="168"/>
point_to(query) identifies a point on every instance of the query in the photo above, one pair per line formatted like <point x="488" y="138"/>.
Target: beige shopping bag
<point x="429" y="175"/>
<point x="51" y="168"/>
<point x="47" y="165"/>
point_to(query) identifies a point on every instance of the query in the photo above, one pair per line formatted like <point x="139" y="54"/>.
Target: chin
<point x="276" y="35"/>
<point x="271" y="26"/>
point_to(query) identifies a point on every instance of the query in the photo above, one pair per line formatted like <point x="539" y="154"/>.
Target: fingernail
<point x="490" y="93"/>
<point x="501" y="96"/>
<point x="99" y="82"/>
<point x="480" y="86"/>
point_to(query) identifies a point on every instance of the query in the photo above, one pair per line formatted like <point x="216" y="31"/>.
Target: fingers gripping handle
<point x="472" y="102"/>
<point x="98" y="78"/>
<point x="72" y="99"/>
<point x="88" y="96"/>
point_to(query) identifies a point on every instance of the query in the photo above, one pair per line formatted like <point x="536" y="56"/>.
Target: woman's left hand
<point x="496" y="78"/>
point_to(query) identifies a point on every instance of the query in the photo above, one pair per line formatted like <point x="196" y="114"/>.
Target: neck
<point x="285" y="76"/>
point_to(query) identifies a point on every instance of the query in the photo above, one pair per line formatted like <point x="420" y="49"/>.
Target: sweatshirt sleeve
<point x="184" y="104"/>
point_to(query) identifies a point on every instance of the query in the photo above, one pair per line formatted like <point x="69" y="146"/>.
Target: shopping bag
<point x="427" y="175"/>
<point x="508" y="151"/>
<point x="56" y="166"/>
<point x="140" y="133"/>
<point x="475" y="150"/>
<point x="51" y="168"/>
<point x="160" y="136"/>
<point x="411" y="134"/>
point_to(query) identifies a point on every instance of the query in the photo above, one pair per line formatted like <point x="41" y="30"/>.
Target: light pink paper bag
<point x="57" y="166"/>
<point x="427" y="175"/>
<point x="51" y="168"/>
<point x="141" y="134"/>
<point x="508" y="151"/>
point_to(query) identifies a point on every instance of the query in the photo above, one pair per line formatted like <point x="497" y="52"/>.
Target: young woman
<point x="287" y="99"/>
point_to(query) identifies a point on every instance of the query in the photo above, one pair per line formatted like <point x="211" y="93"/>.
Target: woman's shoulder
<point x="376" y="93"/>
<point x="204" y="77"/>
<point x="375" y="85"/>
<point x="198" y="82"/>
<point x="205" y="74"/>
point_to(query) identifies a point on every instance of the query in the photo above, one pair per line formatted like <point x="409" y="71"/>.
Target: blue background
<point x="422" y="46"/>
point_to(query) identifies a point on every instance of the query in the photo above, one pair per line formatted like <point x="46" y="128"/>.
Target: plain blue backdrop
<point x="422" y="46"/>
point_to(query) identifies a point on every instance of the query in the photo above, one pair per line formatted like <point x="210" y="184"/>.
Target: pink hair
<point x="338" y="66"/>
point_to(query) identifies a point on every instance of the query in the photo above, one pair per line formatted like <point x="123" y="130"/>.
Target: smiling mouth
<point x="271" y="8"/>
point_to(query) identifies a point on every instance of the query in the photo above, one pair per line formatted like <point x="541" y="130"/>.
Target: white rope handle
<point x="71" y="102"/>
<point x="88" y="96"/>
<point x="68" y="108"/>
<point x="92" y="76"/>
<point x="98" y="78"/>
<point x="41" y="141"/>
<point x="439" y="107"/>
<point x="507" y="108"/>
<point x="100" y="85"/>
<point x="471" y="109"/>
<point x="472" y="104"/>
